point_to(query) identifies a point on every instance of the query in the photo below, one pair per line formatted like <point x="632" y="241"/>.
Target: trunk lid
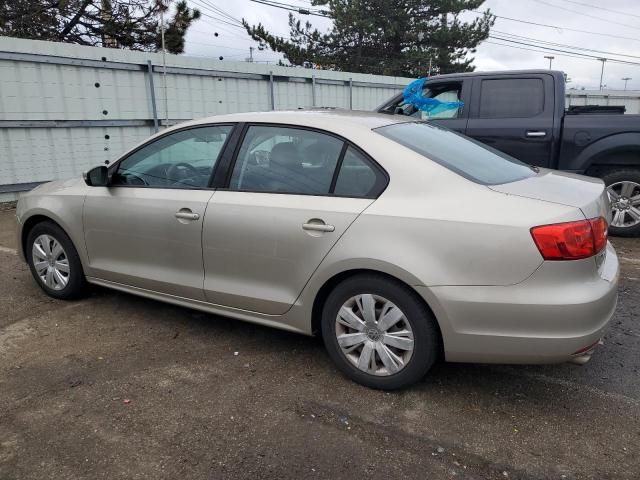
<point x="586" y="193"/>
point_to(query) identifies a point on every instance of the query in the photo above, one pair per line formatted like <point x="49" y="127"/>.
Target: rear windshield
<point x="458" y="153"/>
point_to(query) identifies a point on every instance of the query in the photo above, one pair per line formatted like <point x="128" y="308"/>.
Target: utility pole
<point x="164" y="64"/>
<point x="603" y="60"/>
<point x="550" y="58"/>
<point x="250" y="59"/>
<point x="626" y="79"/>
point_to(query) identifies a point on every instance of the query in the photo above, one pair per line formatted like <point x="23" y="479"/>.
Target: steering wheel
<point x="181" y="171"/>
<point x="130" y="179"/>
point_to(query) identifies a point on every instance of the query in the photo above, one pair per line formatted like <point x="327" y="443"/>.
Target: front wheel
<point x="379" y="332"/>
<point x="623" y="187"/>
<point x="54" y="261"/>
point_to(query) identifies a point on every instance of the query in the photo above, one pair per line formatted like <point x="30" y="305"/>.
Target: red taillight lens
<point x="571" y="240"/>
<point x="600" y="229"/>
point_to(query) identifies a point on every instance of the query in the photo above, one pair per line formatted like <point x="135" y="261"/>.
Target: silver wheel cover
<point x="50" y="262"/>
<point x="374" y="335"/>
<point x="625" y="204"/>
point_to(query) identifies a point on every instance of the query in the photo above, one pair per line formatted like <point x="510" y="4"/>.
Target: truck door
<point x="515" y="114"/>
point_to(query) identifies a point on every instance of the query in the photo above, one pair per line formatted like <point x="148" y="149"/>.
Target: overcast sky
<point x="617" y="18"/>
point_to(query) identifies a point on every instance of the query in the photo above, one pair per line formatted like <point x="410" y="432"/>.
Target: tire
<point x="53" y="283"/>
<point x="615" y="179"/>
<point x="354" y="292"/>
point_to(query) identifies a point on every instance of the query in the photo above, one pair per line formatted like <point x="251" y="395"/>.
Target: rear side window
<point x="276" y="159"/>
<point x="358" y="177"/>
<point x="511" y="98"/>
<point x="465" y="156"/>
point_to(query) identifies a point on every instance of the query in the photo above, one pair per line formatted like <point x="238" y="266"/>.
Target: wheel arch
<point x="326" y="288"/>
<point x="621" y="149"/>
<point x="34" y="220"/>
<point x="614" y="159"/>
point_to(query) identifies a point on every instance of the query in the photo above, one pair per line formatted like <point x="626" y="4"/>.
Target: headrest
<point x="286" y="154"/>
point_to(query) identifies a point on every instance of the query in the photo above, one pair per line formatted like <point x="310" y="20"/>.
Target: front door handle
<point x="536" y="134"/>
<point x="318" y="227"/>
<point x="186" y="214"/>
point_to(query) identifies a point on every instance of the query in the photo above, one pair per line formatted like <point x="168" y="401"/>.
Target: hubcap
<point x="50" y="262"/>
<point x="374" y="334"/>
<point x="625" y="204"/>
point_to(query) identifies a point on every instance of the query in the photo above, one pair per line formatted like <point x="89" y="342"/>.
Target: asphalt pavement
<point x="117" y="386"/>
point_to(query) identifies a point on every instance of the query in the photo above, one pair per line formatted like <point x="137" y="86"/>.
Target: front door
<point x="145" y="229"/>
<point x="445" y="91"/>
<point x="292" y="194"/>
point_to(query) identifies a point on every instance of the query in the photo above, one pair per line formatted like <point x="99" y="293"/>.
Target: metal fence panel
<point x="65" y="108"/>
<point x="630" y="99"/>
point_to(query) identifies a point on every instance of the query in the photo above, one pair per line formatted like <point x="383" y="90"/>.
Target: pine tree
<point x="389" y="37"/>
<point x="130" y="24"/>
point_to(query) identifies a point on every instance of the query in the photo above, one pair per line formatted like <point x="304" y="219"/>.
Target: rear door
<point x="291" y="194"/>
<point x="515" y="114"/>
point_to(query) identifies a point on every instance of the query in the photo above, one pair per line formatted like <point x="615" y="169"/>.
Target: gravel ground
<point x="116" y="386"/>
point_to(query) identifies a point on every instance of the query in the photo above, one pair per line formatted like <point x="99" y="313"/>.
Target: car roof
<point x="325" y="119"/>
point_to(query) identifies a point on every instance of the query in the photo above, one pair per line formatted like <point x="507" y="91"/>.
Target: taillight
<point x="571" y="240"/>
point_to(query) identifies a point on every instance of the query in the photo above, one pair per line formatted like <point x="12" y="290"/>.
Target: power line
<point x="521" y="37"/>
<point x="558" y="28"/>
<point x="618" y="12"/>
<point x="534" y="50"/>
<point x="552" y="49"/>
<point x="293" y="8"/>
<point x="576" y="12"/>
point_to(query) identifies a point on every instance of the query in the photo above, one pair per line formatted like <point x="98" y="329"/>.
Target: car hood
<point x="586" y="193"/>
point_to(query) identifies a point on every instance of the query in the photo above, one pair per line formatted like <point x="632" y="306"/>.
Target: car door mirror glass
<point x="97" y="177"/>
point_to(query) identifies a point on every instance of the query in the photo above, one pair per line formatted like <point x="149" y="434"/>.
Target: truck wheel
<point x="623" y="187"/>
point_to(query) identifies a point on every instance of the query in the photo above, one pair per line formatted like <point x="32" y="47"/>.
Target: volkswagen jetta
<point x="398" y="241"/>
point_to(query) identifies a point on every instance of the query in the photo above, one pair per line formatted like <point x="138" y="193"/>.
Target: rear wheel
<point x="379" y="332"/>
<point x="54" y="261"/>
<point x="623" y="187"/>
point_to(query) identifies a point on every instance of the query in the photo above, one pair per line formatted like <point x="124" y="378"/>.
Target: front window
<point x="445" y="92"/>
<point x="184" y="159"/>
<point x="465" y="156"/>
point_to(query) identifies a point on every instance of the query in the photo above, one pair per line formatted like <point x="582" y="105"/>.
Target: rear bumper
<point x="561" y="309"/>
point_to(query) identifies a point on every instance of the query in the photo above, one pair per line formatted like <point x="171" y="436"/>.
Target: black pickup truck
<point x="523" y="114"/>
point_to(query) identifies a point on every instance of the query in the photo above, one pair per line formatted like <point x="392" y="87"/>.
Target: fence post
<point x="350" y="93"/>
<point x="313" y="89"/>
<point x="152" y="94"/>
<point x="273" y="98"/>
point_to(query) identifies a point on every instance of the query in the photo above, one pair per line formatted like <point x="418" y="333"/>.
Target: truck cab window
<point x="447" y="92"/>
<point x="511" y="98"/>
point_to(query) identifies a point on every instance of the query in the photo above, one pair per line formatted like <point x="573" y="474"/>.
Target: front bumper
<point x="560" y="309"/>
<point x="20" y="248"/>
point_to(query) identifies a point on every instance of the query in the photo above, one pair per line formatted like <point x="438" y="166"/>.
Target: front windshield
<point x="458" y="153"/>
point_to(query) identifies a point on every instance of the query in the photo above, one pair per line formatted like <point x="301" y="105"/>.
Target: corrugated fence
<point x="65" y="108"/>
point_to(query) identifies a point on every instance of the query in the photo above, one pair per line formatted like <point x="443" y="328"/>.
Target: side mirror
<point x="97" y="177"/>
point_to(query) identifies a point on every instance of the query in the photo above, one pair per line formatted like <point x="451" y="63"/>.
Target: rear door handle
<point x="536" y="133"/>
<point x="187" y="215"/>
<point x="318" y="227"/>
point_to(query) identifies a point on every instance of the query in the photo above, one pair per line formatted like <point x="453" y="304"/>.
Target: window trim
<point x="381" y="172"/>
<point x="113" y="168"/>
